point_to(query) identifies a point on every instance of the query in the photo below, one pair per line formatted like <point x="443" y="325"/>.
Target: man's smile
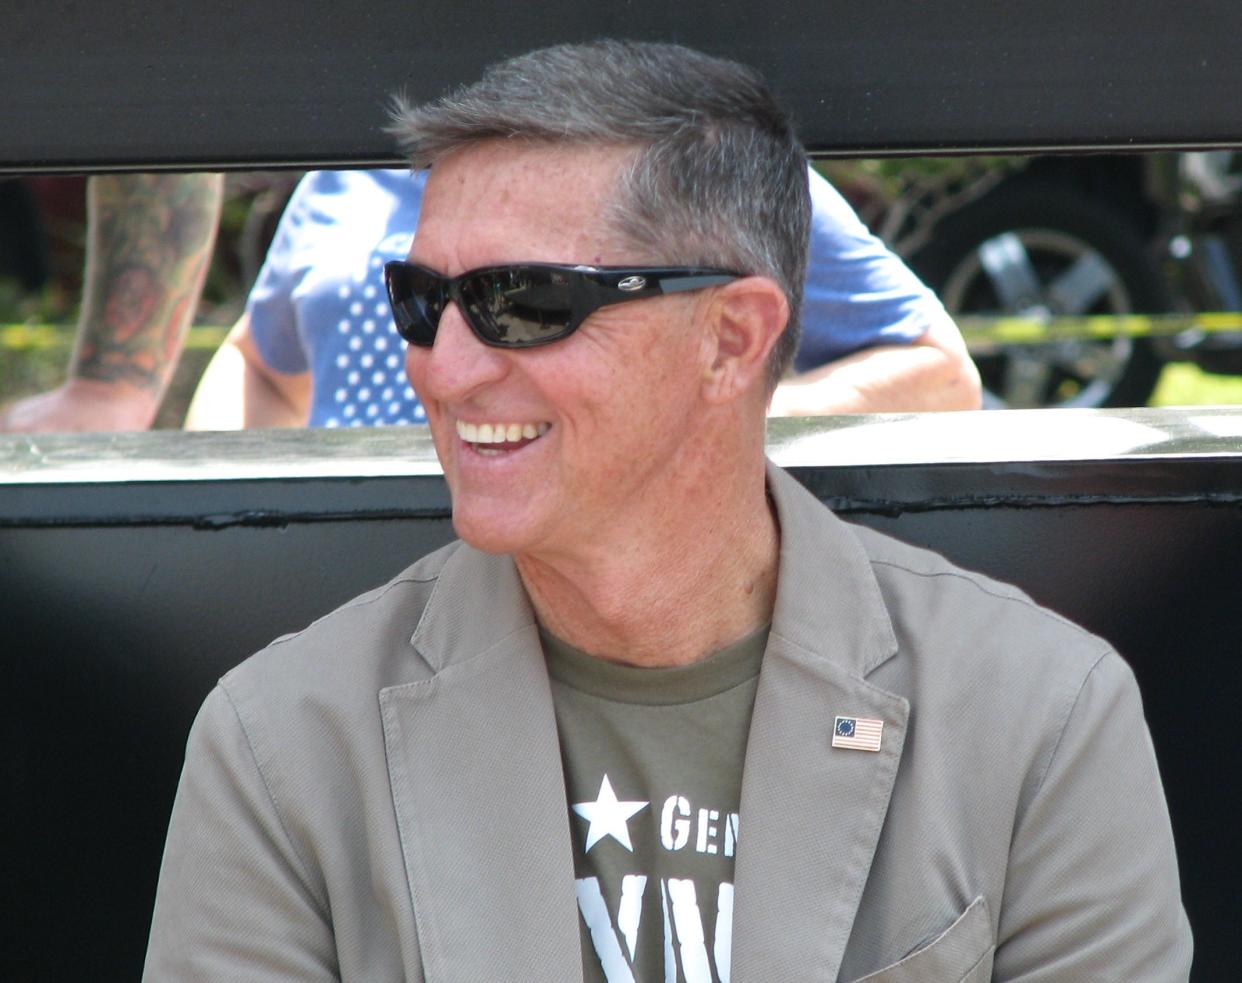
<point x="499" y="438"/>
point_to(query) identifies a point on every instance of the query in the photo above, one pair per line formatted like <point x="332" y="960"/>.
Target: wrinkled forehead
<point x="505" y="201"/>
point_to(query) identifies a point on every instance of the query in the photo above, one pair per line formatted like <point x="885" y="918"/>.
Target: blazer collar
<point x="827" y="599"/>
<point x="826" y="593"/>
<point x="478" y="600"/>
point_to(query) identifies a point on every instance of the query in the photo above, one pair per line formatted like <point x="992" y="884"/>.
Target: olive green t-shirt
<point x="653" y="768"/>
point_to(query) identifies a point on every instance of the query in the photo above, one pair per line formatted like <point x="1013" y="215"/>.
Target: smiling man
<point x="658" y="714"/>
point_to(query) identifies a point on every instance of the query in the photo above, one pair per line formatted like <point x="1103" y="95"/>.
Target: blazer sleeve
<point x="1092" y="891"/>
<point x="235" y="900"/>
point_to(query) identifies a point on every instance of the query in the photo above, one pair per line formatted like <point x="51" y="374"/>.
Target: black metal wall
<point x="300" y="81"/>
<point x="122" y="602"/>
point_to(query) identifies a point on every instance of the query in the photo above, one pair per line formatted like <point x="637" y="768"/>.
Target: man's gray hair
<point x="719" y="178"/>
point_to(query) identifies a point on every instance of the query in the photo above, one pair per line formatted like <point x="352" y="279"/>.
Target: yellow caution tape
<point x="1101" y="327"/>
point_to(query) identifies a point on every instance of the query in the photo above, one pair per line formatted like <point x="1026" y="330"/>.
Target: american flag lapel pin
<point x="857" y="733"/>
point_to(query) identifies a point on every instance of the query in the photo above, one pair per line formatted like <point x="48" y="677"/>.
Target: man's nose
<point x="458" y="362"/>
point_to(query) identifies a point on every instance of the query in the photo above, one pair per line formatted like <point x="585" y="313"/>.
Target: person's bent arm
<point x="149" y="243"/>
<point x="874" y="338"/>
<point x="239" y="390"/>
<point x="934" y="372"/>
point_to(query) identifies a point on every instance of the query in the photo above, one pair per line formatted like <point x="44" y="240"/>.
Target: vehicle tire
<point x="1042" y="233"/>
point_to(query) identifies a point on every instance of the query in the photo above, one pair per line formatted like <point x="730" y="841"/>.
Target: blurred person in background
<point x="316" y="344"/>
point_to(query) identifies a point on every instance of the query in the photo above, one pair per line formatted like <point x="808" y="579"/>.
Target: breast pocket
<point x="962" y="953"/>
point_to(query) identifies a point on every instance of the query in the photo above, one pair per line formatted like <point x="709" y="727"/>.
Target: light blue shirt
<point x="319" y="303"/>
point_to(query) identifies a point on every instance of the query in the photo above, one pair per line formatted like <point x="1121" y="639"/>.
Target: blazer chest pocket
<point x="962" y="953"/>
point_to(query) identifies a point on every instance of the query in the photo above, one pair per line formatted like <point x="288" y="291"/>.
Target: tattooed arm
<point x="149" y="243"/>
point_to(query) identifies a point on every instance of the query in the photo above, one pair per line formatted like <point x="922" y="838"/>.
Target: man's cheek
<point x="412" y="359"/>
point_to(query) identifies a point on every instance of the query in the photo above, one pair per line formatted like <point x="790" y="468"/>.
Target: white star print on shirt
<point x="607" y="816"/>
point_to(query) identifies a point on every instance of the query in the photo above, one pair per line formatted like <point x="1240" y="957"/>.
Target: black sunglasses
<point x="527" y="304"/>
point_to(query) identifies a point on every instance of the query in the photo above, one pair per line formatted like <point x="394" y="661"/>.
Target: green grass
<point x="1182" y="384"/>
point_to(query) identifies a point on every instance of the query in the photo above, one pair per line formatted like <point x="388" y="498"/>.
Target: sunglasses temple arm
<point x="678" y="284"/>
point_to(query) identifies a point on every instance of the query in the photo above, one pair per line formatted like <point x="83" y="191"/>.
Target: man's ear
<point x="747" y="317"/>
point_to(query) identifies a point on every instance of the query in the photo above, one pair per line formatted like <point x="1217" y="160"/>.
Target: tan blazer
<point x="380" y="797"/>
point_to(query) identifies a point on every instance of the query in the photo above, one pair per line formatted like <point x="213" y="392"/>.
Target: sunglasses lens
<point x="520" y="306"/>
<point x="417" y="299"/>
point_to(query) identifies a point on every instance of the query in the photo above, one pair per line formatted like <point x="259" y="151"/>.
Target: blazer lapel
<point x="475" y="767"/>
<point x="811" y="813"/>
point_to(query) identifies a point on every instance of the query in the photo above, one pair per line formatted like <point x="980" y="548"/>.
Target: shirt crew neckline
<point x="667" y="686"/>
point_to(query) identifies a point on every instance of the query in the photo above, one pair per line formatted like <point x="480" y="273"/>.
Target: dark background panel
<point x="116" y="626"/>
<point x="304" y="81"/>
<point x="112" y="636"/>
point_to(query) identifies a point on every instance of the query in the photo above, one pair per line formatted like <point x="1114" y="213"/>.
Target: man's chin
<point x="489" y="532"/>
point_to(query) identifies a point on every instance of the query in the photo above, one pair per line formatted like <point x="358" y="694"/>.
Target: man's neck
<point x="672" y="592"/>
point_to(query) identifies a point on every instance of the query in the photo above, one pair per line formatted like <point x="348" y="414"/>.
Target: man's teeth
<point x="500" y="433"/>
